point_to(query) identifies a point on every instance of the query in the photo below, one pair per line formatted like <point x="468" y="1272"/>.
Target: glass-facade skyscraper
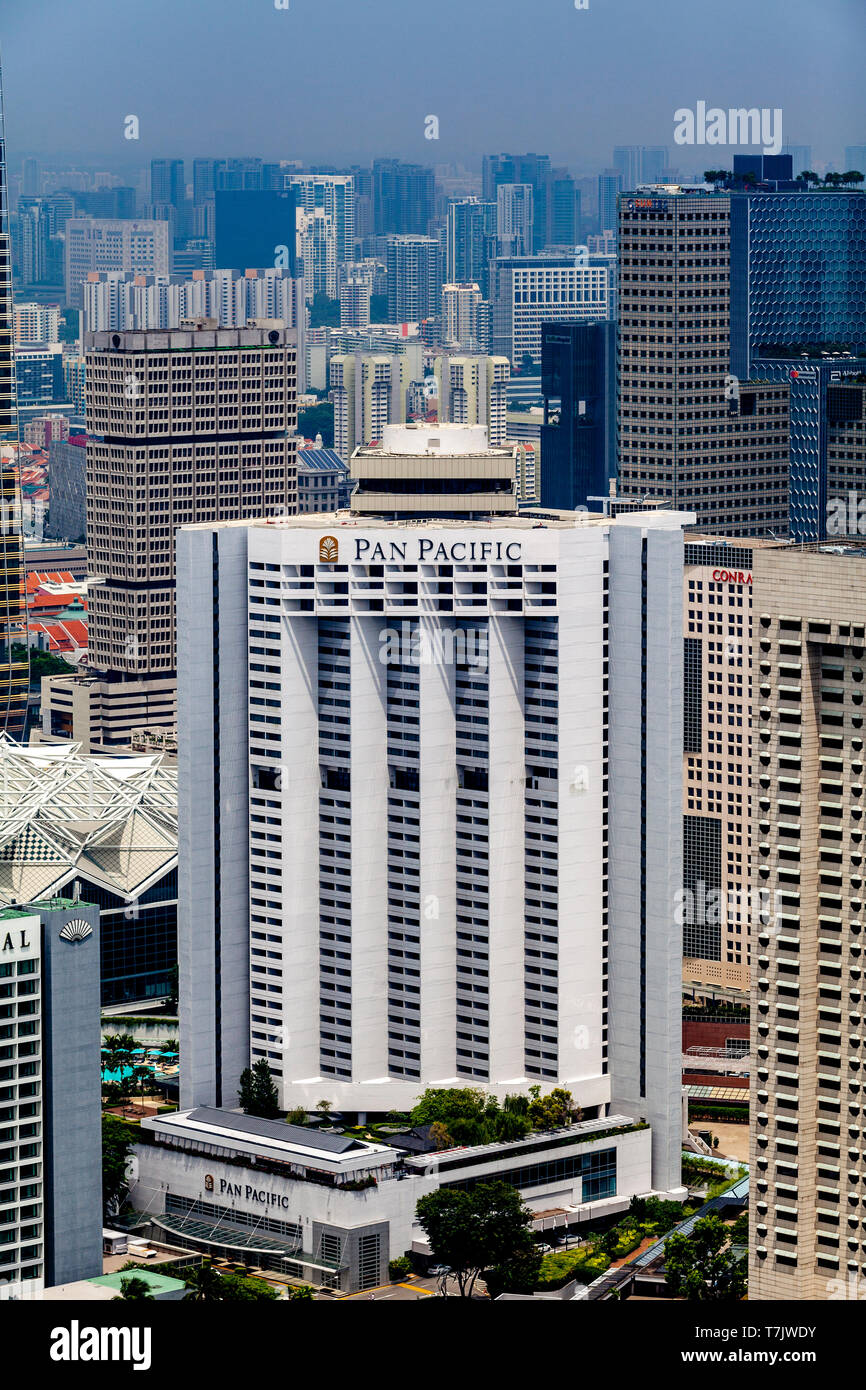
<point x="578" y="437"/>
<point x="798" y="272"/>
<point x="13" y="673"/>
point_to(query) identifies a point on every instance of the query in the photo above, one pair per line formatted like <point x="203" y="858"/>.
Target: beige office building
<point x="688" y="432"/>
<point x="808" y="1121"/>
<point x="187" y="425"/>
<point x="716" y="910"/>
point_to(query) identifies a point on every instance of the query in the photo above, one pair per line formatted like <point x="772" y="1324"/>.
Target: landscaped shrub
<point x="562" y="1266"/>
<point x="399" y="1268"/>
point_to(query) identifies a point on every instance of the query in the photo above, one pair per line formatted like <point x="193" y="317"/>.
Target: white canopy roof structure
<point x="109" y="819"/>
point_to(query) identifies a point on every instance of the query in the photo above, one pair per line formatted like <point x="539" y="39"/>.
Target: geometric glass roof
<point x="108" y="818"/>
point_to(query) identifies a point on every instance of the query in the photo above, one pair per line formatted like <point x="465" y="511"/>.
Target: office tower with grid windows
<point x="13" y="621"/>
<point x="444" y="846"/>
<point x="50" y="1146"/>
<point x="689" y="430"/>
<point x="807" y="1110"/>
<point x="183" y="425"/>
<point x="719" y="913"/>
<point x="528" y="291"/>
<point x="99" y="244"/>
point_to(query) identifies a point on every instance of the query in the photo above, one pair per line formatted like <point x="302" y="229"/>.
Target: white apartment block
<point x="465" y="318"/>
<point x="120" y="301"/>
<point x="102" y="244"/>
<point x="355" y="295"/>
<point x="430" y="810"/>
<point x="334" y="195"/>
<point x="317" y="253"/>
<point x="472" y="391"/>
<point x="531" y="290"/>
<point x="514" y="219"/>
<point x="369" y="391"/>
<point x="36" y="323"/>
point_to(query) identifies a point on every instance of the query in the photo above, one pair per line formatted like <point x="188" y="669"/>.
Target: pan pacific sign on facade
<point x="247" y="1193"/>
<point x="421" y="548"/>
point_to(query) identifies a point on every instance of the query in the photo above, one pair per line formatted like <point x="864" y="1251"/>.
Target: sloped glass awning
<point x="230" y="1238"/>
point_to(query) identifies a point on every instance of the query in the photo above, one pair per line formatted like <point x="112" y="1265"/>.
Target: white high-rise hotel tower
<point x="431" y="828"/>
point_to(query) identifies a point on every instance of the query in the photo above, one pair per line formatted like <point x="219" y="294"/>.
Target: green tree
<point x="318" y="419"/>
<point x="205" y="1284"/>
<point x="116" y="1145"/>
<point x="324" y="1108"/>
<point x="134" y="1289"/>
<point x="298" y="1116"/>
<point x="700" y="1267"/>
<point x="324" y="312"/>
<point x="240" y="1288"/>
<point x="552" y="1111"/>
<point x="462" y="1102"/>
<point x="257" y="1092"/>
<point x="247" y="1091"/>
<point x="440" y="1136"/>
<point x="852" y="176"/>
<point x="517" y="1274"/>
<point x="527" y="365"/>
<point x="398" y="1268"/>
<point x="41" y="663"/>
<point x="486" y="1227"/>
<point x="303" y="1291"/>
<point x="69" y="326"/>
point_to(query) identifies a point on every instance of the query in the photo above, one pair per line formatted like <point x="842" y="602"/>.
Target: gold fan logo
<point x="329" y="550"/>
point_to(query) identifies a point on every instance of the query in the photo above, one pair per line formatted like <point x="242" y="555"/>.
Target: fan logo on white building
<point x="329" y="550"/>
<point x="76" y="930"/>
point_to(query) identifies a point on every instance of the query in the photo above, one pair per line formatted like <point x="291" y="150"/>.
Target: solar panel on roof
<point x="274" y="1129"/>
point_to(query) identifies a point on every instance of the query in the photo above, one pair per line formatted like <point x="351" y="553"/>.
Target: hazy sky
<point x="349" y="79"/>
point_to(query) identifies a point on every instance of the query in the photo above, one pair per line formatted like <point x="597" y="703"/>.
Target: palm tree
<point x="205" y="1285"/>
<point x="135" y="1289"/>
